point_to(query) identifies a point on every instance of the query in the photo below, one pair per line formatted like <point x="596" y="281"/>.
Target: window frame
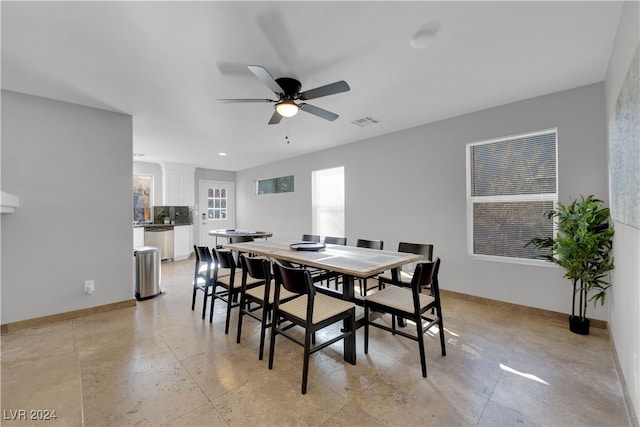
<point x="541" y="197"/>
<point x="276" y="185"/>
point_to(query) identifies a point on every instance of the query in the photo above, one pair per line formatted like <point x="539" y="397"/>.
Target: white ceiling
<point x="167" y="63"/>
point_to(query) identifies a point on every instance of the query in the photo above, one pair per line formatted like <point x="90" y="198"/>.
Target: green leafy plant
<point x="583" y="248"/>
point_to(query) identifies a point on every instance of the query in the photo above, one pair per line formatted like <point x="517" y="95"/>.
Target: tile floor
<point x="159" y="364"/>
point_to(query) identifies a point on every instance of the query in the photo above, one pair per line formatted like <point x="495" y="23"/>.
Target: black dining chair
<point x="202" y="277"/>
<point x="411" y="304"/>
<point x="227" y="288"/>
<point x="311" y="310"/>
<point x="240" y="239"/>
<point x="257" y="302"/>
<point x="330" y="240"/>
<point x="370" y="244"/>
<point x="316" y="273"/>
<point x="405" y="274"/>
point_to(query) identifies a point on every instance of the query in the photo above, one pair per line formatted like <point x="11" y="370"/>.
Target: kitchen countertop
<point x="158" y="225"/>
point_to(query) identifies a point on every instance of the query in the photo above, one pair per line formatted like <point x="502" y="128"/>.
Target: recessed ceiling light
<point x="422" y="39"/>
<point x="222" y="154"/>
<point x="425" y="35"/>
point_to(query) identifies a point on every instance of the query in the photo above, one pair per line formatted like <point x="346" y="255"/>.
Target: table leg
<point x="347" y="295"/>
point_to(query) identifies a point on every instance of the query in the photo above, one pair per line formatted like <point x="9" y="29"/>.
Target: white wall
<point x="71" y="166"/>
<point x="624" y="318"/>
<point x="410" y="186"/>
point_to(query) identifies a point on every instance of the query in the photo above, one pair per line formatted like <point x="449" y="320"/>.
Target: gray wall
<point x="624" y="316"/>
<point x="71" y="167"/>
<point x="410" y="186"/>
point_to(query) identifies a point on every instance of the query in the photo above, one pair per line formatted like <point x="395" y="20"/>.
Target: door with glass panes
<point x="216" y="205"/>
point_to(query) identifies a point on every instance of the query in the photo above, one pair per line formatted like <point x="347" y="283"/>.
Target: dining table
<point x="229" y="233"/>
<point x="349" y="261"/>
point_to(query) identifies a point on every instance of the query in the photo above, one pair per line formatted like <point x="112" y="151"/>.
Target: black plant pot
<point x="578" y="326"/>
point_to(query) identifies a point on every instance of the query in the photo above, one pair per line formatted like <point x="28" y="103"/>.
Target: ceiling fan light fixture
<point x="287" y="108"/>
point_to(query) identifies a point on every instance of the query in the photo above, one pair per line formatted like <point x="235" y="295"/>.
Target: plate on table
<point x="307" y="246"/>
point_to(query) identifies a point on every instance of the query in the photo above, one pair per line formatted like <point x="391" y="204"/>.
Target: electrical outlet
<point x="88" y="287"/>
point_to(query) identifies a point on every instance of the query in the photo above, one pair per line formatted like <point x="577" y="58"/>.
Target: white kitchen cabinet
<point x="138" y="237"/>
<point x="179" y="184"/>
<point x="182" y="238"/>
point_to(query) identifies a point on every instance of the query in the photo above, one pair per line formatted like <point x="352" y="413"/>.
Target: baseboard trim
<point x="595" y="323"/>
<point x="45" y="320"/>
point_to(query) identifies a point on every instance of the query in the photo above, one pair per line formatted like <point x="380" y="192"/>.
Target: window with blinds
<point x="511" y="185"/>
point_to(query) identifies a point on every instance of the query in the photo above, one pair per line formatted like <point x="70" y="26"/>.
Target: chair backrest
<point x="371" y="244"/>
<point x="195" y="250"/>
<point x="335" y="240"/>
<point x="296" y="280"/>
<point x="425" y="276"/>
<point x="310" y="238"/>
<point x="199" y="260"/>
<point x="256" y="267"/>
<point x="240" y="239"/>
<point x="203" y="258"/>
<point x="426" y="250"/>
<point x="422" y="278"/>
<point x="435" y="285"/>
<point x="224" y="259"/>
<point x="203" y="255"/>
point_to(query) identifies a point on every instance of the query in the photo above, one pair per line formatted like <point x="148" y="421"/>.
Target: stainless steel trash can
<point x="147" y="272"/>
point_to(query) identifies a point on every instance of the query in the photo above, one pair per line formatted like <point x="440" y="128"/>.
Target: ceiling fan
<point x="287" y="90"/>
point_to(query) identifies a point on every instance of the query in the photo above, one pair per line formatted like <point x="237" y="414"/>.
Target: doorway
<point x="217" y="209"/>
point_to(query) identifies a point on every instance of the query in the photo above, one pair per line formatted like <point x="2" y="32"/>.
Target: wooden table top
<point x="350" y="260"/>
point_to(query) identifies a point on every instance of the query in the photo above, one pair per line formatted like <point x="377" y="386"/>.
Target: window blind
<point x="523" y="165"/>
<point x="512" y="185"/>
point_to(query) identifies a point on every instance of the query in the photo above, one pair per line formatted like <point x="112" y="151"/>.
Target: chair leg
<point x="272" y="340"/>
<point x="441" y="327"/>
<point x="305" y="363"/>
<point x="393" y="324"/>
<point x="204" y="303"/>
<point x="266" y="314"/>
<point x="230" y="298"/>
<point x="366" y="329"/>
<point x="423" y="361"/>
<point x="193" y="300"/>
<point x="241" y="308"/>
<point x="213" y="300"/>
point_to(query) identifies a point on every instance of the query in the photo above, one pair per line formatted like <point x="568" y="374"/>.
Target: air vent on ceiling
<point x="365" y="121"/>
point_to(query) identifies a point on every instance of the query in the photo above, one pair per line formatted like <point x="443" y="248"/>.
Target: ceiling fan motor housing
<point x="291" y="87"/>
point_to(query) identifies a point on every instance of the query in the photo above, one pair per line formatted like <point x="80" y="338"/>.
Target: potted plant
<point x="583" y="248"/>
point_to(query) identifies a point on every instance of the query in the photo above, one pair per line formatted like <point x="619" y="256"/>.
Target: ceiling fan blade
<point x="266" y="78"/>
<point x="245" y="100"/>
<point x="275" y="119"/>
<point x="325" y="90"/>
<point x="328" y="115"/>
